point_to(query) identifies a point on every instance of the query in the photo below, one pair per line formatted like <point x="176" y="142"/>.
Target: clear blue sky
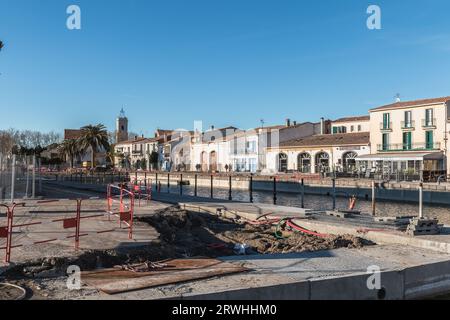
<point x="226" y="62"/>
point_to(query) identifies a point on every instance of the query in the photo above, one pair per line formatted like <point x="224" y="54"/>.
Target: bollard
<point x="274" y="190"/>
<point x="230" y="197"/>
<point x="334" y="193"/>
<point x="251" y="188"/>
<point x="212" y="190"/>
<point x="373" y="199"/>
<point x="195" y="186"/>
<point x="302" y="183"/>
<point x="181" y="184"/>
<point x="168" y="183"/>
<point x="421" y="200"/>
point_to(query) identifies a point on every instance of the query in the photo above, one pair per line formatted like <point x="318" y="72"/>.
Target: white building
<point x="410" y="138"/>
<point x="319" y="153"/>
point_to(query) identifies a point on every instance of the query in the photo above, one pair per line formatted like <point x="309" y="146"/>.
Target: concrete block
<point x="355" y="288"/>
<point x="287" y="291"/>
<point x="427" y="280"/>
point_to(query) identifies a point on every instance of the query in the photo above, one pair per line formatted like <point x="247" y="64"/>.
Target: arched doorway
<point x="322" y="162"/>
<point x="213" y="161"/>
<point x="282" y="161"/>
<point x="304" y="162"/>
<point x="204" y="161"/>
<point x="349" y="161"/>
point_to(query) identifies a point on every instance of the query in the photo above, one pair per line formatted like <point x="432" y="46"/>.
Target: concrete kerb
<point x="407" y="283"/>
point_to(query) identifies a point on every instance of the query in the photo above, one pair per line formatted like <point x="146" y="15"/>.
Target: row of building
<point x="403" y="137"/>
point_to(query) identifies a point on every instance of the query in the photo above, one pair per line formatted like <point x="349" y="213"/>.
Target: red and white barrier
<point x="125" y="214"/>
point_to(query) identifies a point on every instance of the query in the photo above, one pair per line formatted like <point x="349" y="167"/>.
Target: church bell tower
<point x="121" y="127"/>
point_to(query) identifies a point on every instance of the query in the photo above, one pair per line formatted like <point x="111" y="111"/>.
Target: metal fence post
<point x="13" y="177"/>
<point x="212" y="190"/>
<point x="303" y="193"/>
<point x="421" y="200"/>
<point x="181" y="184"/>
<point x="274" y="190"/>
<point x="373" y="199"/>
<point x="33" y="186"/>
<point x="168" y="183"/>
<point x="230" y="196"/>
<point x="251" y="188"/>
<point x="195" y="186"/>
<point x="334" y="193"/>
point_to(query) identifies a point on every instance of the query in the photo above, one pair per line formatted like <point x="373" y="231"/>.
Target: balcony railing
<point x="408" y="147"/>
<point x="408" y="124"/>
<point x="386" y="126"/>
<point x="137" y="152"/>
<point x="429" y="123"/>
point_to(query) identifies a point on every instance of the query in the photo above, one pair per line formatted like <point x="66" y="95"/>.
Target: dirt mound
<point x="195" y="233"/>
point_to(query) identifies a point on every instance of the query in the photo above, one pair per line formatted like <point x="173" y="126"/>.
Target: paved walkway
<point x="89" y="228"/>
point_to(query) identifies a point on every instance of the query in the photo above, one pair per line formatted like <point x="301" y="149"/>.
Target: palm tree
<point x="69" y="148"/>
<point x="94" y="137"/>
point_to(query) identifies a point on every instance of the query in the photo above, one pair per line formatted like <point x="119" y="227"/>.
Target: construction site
<point x="129" y="240"/>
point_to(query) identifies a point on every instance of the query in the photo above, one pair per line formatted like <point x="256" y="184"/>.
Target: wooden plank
<point x="113" y="281"/>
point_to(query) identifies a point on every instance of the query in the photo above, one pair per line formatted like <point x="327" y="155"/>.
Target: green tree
<point x="1" y="45"/>
<point x="144" y="164"/>
<point x="154" y="157"/>
<point x="69" y="148"/>
<point x="94" y="137"/>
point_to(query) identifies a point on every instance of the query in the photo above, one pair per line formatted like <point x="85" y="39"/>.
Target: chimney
<point x="295" y="123"/>
<point x="288" y="122"/>
<point x="135" y="137"/>
<point x="322" y="125"/>
<point x="397" y="98"/>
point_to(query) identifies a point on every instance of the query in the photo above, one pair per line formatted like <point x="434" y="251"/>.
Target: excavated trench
<point x="185" y="234"/>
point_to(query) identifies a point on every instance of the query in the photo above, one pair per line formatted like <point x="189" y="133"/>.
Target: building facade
<point x="351" y="125"/>
<point x="409" y="138"/>
<point x="319" y="153"/>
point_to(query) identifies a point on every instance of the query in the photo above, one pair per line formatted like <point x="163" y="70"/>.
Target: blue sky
<point x="225" y="62"/>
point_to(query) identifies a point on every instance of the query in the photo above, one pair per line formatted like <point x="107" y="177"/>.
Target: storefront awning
<point x="416" y="156"/>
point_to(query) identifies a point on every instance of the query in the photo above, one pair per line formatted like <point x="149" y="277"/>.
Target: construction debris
<point x="423" y="226"/>
<point x="203" y="234"/>
<point x="117" y="280"/>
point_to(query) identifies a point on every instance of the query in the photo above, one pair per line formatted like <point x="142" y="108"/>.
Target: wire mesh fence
<point x="18" y="177"/>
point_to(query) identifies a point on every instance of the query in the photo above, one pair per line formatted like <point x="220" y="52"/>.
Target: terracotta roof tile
<point x="70" y="134"/>
<point x="330" y="140"/>
<point x="413" y="103"/>
<point x="350" y="119"/>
